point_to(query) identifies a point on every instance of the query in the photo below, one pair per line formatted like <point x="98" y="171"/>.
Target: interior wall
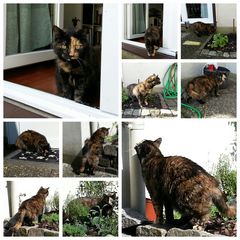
<point x="71" y="11"/>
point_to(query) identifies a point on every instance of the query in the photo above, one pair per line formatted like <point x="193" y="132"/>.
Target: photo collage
<point x="98" y="99"/>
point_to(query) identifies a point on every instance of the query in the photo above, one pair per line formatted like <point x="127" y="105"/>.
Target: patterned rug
<point x="52" y="156"/>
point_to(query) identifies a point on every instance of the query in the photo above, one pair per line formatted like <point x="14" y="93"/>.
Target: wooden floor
<point x="40" y="76"/>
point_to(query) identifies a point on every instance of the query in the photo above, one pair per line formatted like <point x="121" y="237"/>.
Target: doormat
<point x="52" y="156"/>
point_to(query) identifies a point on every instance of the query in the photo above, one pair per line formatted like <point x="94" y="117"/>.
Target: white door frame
<point x="193" y="20"/>
<point x="110" y="84"/>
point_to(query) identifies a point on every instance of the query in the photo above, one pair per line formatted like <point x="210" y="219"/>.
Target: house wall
<point x="189" y="70"/>
<point x="131" y="72"/>
<point x="49" y="129"/>
<point x="225" y="13"/>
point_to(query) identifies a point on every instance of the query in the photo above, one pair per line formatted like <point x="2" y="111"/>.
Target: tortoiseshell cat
<point x="78" y="67"/>
<point x="152" y="40"/>
<point x="28" y="211"/>
<point x="201" y="29"/>
<point x="91" y="152"/>
<point x="178" y="183"/>
<point x="143" y="89"/>
<point x="201" y="87"/>
<point x="34" y="142"/>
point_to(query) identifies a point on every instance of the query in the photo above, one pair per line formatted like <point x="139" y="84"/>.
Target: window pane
<point x="197" y="10"/>
<point x="138" y="15"/>
<point x="29" y="27"/>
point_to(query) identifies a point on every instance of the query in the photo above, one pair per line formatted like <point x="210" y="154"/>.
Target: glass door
<point x="28" y="33"/>
<point x="202" y="12"/>
<point x="137" y="15"/>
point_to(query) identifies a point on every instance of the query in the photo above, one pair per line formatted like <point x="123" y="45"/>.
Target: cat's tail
<point x="222" y="206"/>
<point x="14" y="223"/>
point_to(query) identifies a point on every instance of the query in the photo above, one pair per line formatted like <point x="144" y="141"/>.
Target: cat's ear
<point x="157" y="142"/>
<point x="58" y="32"/>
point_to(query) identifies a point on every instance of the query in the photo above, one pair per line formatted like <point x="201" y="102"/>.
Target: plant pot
<point x="150" y="212"/>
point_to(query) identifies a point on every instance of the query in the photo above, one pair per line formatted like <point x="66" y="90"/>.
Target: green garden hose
<point x="192" y="109"/>
<point x="170" y="82"/>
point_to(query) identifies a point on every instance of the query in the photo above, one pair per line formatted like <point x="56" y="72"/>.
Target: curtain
<point x="28" y="28"/>
<point x="138" y="17"/>
<point x="204" y="10"/>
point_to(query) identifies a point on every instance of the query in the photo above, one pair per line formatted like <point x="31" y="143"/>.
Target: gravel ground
<point x="223" y="106"/>
<point x="67" y="172"/>
<point x="22" y="168"/>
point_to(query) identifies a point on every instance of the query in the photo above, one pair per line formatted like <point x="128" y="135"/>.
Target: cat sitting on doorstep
<point x="176" y="182"/>
<point x="77" y="67"/>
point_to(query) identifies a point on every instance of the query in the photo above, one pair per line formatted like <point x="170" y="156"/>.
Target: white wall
<point x="49" y="129"/>
<point x="189" y="70"/>
<point x="131" y="72"/>
<point x="225" y="13"/>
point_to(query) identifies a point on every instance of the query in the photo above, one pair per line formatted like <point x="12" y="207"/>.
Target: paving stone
<point x="136" y="113"/>
<point x="128" y="112"/>
<point x="155" y="112"/>
<point x="151" y="230"/>
<point x="145" y="112"/>
<point x="226" y="55"/>
<point x="233" y="54"/>
<point x="205" y="52"/>
<point x="212" y="53"/>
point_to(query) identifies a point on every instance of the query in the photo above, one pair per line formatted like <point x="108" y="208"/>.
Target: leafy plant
<point x="226" y="175"/>
<point x="54" y="217"/>
<point x="76" y="211"/>
<point x="74" y="230"/>
<point x="125" y="96"/>
<point x="219" y="40"/>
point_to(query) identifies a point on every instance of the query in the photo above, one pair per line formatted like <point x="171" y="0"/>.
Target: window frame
<point x="110" y="62"/>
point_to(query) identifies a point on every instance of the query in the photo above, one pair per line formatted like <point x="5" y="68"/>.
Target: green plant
<point x="54" y="217"/>
<point x="219" y="40"/>
<point x="74" y="230"/>
<point x="226" y="175"/>
<point x="124" y="95"/>
<point x="76" y="211"/>
<point x="106" y="225"/>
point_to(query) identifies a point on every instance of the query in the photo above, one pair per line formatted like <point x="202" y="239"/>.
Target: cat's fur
<point x="28" y="211"/>
<point x="201" y="29"/>
<point x="78" y="67"/>
<point x="152" y="40"/>
<point x="143" y="89"/>
<point x="34" y="142"/>
<point x="91" y="152"/>
<point x="178" y="183"/>
<point x="203" y="86"/>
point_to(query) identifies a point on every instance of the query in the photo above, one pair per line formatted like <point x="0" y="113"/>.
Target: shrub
<point x="124" y="95"/>
<point x="51" y="218"/>
<point x="219" y="40"/>
<point x="74" y="230"/>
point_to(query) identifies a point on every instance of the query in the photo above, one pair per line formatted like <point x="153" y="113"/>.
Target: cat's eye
<point x="79" y="46"/>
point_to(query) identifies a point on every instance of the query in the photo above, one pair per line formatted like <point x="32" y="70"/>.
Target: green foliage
<point x="52" y="218"/>
<point x="177" y="215"/>
<point x="226" y="175"/>
<point x="74" y="230"/>
<point x="125" y="96"/>
<point x="106" y="225"/>
<point x="219" y="40"/>
<point x="76" y="210"/>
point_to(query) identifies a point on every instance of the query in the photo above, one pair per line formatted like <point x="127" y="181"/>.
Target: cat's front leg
<point x="169" y="213"/>
<point x="216" y="91"/>
<point x="158" y="207"/>
<point x="78" y="95"/>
